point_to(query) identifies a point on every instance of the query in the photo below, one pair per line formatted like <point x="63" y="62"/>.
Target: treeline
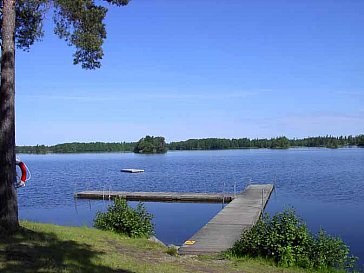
<point x="272" y="143"/>
<point x="78" y="147"/>
<point x="329" y="141"/>
<point x="157" y="144"/>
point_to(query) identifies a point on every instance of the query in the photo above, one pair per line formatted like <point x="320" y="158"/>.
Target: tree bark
<point x="8" y="195"/>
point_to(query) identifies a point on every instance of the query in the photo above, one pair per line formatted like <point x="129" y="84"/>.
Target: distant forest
<point x="272" y="143"/>
<point x="200" y="144"/>
<point x="77" y="147"/>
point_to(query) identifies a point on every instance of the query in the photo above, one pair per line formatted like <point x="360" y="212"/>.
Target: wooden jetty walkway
<point x="227" y="226"/>
<point x="157" y="196"/>
<point x="243" y="211"/>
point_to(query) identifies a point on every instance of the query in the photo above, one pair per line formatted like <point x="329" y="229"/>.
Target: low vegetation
<point x="286" y="240"/>
<point x="54" y="249"/>
<point x="123" y="219"/>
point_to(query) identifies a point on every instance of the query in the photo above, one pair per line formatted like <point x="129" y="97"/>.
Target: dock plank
<point x="227" y="226"/>
<point x="157" y="196"/>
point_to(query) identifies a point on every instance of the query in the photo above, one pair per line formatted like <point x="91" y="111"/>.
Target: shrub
<point x="121" y="218"/>
<point x="286" y="239"/>
<point x="172" y="251"/>
<point x="331" y="252"/>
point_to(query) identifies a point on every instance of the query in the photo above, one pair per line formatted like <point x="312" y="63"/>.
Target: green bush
<point x="121" y="218"/>
<point x="286" y="239"/>
<point x="172" y="251"/>
<point x="151" y="145"/>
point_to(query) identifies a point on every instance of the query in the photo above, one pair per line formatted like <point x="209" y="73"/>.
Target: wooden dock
<point x="157" y="196"/>
<point x="227" y="226"/>
<point x="132" y="171"/>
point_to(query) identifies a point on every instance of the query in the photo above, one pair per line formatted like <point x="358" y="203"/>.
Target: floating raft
<point x="132" y="171"/>
<point x="227" y="226"/>
<point x="157" y="196"/>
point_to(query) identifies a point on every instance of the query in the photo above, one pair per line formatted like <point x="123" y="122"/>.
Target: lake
<point x="325" y="186"/>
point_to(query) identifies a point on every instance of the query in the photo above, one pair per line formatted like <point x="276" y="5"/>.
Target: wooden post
<point x="223" y="194"/>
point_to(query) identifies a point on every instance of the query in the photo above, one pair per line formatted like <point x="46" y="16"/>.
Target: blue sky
<point x="202" y="68"/>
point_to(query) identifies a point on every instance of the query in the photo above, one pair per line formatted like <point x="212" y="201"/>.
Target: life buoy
<point x="23" y="177"/>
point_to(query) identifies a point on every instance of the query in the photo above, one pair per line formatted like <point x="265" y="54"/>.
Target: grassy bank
<point x="50" y="248"/>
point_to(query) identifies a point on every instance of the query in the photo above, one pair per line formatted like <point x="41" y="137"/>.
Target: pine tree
<point x="80" y="24"/>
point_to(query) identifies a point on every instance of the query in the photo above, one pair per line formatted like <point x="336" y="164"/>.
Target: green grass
<point x="49" y="248"/>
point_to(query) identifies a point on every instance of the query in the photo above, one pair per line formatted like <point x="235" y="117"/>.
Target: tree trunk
<point x="8" y="196"/>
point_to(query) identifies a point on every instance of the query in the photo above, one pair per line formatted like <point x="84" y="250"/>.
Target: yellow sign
<point x="190" y="242"/>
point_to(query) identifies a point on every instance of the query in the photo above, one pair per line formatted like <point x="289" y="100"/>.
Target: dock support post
<point x="223" y="194"/>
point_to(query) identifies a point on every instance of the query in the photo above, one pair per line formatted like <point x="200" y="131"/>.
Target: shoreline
<point x="198" y="150"/>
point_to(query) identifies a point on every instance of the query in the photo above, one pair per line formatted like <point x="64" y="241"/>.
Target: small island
<point x="151" y="145"/>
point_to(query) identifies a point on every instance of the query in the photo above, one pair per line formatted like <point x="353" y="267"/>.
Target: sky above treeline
<point x="201" y="68"/>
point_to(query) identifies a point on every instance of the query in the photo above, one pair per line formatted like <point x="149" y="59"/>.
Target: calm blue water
<point x="325" y="186"/>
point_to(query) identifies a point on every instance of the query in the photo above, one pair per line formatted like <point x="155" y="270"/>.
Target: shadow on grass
<point x="29" y="251"/>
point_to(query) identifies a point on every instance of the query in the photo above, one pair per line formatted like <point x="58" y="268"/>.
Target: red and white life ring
<point x="23" y="177"/>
